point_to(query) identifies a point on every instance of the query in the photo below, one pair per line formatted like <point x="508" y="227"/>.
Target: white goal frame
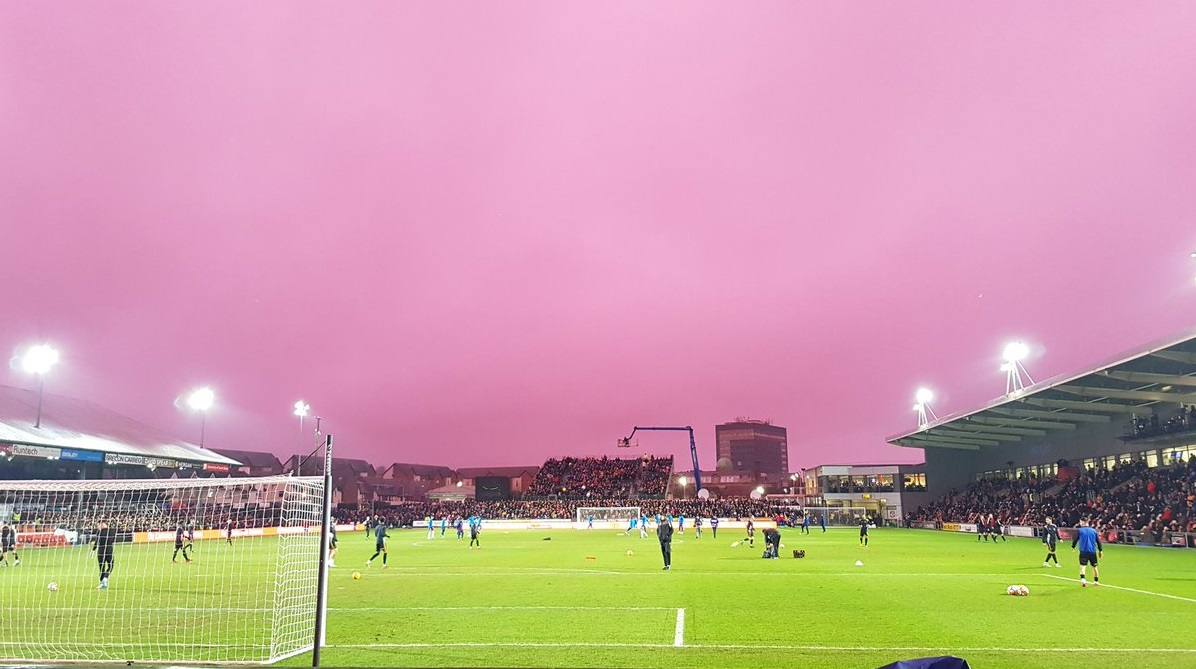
<point x="608" y="513"/>
<point x="245" y="593"/>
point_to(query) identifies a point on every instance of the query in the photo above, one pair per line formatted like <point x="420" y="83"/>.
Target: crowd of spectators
<point x="605" y="477"/>
<point x="144" y="516"/>
<point x="1130" y="496"/>
<point x="413" y="513"/>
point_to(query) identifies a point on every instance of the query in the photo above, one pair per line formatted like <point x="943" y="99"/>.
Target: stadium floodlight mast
<point x="1015" y="372"/>
<point x="201" y="400"/>
<point x="922" y="399"/>
<point x="39" y="360"/>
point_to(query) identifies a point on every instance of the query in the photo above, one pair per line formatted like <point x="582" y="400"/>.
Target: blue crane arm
<point x="693" y="446"/>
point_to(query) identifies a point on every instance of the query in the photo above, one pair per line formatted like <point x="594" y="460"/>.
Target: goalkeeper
<point x="8" y="544"/>
<point x="102" y="545"/>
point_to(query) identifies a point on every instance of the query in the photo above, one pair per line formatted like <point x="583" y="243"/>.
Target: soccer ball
<point x="1018" y="590"/>
<point x="356" y="576"/>
<point x="52" y="587"/>
<point x="629" y="552"/>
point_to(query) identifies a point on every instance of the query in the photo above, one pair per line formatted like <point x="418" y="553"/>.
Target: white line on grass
<point x="679" y="632"/>
<point x="719" y="646"/>
<point x="75" y="609"/>
<point x="814" y="574"/>
<point x="1122" y="587"/>
<point x="502" y="608"/>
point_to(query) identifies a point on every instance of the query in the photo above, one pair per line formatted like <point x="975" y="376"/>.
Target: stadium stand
<point x="1130" y="497"/>
<point x="603" y="477"/>
<point x="408" y="513"/>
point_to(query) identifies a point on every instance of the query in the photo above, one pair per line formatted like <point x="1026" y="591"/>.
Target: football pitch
<point x="576" y="598"/>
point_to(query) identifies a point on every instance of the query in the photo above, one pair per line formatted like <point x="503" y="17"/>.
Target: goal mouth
<point x="607" y="514"/>
<point x="160" y="571"/>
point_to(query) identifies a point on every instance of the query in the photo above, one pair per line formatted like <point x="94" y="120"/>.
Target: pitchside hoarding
<point x="82" y="456"/>
<point x="36" y="451"/>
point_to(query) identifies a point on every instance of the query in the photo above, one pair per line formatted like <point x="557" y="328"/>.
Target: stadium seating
<point x="1129" y="497"/>
<point x="606" y="477"/>
<point x="408" y="513"/>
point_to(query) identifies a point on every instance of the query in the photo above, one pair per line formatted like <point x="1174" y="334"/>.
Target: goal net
<point x="167" y="570"/>
<point x="607" y="513"/>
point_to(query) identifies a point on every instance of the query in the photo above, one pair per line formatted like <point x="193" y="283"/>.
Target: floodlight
<point x="301" y="408"/>
<point x="201" y="399"/>
<point x="39" y="359"/>
<point x="681" y="481"/>
<point x="922" y="399"/>
<point x="460" y="483"/>
<point x="1016" y="376"/>
<point x="1015" y="351"/>
<point x="759" y="490"/>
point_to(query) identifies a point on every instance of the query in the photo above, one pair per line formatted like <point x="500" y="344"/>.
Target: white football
<point x="1017" y="590"/>
<point x="52" y="587"/>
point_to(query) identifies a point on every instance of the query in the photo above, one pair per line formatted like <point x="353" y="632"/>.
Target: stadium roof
<point x="252" y="458"/>
<point x="412" y="469"/>
<point x="1161" y="374"/>
<point x="509" y="472"/>
<point x="77" y="424"/>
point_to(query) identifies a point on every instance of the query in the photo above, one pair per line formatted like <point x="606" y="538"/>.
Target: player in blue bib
<point x="1090" y="551"/>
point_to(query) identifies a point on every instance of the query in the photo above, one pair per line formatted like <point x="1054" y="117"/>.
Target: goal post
<point x="607" y="513"/>
<point x="215" y="570"/>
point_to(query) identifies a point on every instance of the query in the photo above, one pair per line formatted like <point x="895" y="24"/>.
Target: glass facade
<point x="1107" y="462"/>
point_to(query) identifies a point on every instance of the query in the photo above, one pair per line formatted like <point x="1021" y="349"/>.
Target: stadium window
<point x="915" y="482"/>
<point x="1090" y="463"/>
<point x="1152" y="459"/>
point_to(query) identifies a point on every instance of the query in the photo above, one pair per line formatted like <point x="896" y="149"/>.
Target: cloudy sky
<point x="492" y="233"/>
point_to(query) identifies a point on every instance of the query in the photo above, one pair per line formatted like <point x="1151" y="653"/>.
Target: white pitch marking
<point x="717" y="646"/>
<point x="679" y="632"/>
<point x="1122" y="587"/>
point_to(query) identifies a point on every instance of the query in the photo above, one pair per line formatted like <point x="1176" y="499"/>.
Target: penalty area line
<point x="1122" y="587"/>
<point x="679" y="631"/>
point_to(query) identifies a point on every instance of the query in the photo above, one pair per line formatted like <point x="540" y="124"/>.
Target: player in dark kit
<point x="380" y="536"/>
<point x="864" y="531"/>
<point x="1090" y="549"/>
<point x="179" y="534"/>
<point x="994" y="528"/>
<point x="475" y="530"/>
<point x="772" y="544"/>
<point x="102" y="544"/>
<point x="751" y="532"/>
<point x="1050" y="537"/>
<point x="8" y="544"/>
<point x="714" y="526"/>
<point x="664" y="532"/>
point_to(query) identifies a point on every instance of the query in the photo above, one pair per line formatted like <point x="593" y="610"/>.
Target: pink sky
<point x="492" y="233"/>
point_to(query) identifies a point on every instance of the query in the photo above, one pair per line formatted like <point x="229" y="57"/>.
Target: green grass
<point x="523" y="601"/>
